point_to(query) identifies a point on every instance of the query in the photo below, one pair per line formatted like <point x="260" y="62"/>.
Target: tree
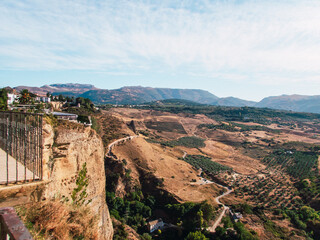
<point x="3" y="99"/>
<point x="40" y="107"/>
<point x="227" y="223"/>
<point x="309" y="213"/>
<point x="196" y="236"/>
<point x="207" y="211"/>
<point x="146" y="236"/>
<point x="243" y="232"/>
<point x="200" y="221"/>
<point x="26" y="96"/>
<point x="61" y="98"/>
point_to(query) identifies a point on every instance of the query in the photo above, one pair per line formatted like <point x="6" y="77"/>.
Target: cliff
<point x="66" y="148"/>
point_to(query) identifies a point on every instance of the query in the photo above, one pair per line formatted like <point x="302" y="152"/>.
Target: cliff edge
<point x="67" y="148"/>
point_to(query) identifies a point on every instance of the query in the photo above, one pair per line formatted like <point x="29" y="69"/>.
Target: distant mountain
<point x="297" y="103"/>
<point x="74" y="86"/>
<point x="138" y="95"/>
<point x="234" y="102"/>
<point x="71" y="88"/>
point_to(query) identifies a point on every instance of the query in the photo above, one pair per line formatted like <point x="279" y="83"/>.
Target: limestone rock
<point x="66" y="149"/>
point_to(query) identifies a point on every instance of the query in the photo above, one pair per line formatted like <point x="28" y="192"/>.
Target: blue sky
<point x="246" y="49"/>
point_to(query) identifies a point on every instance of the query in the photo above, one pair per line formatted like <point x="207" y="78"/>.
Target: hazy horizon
<point x="154" y="87"/>
<point x="242" y="49"/>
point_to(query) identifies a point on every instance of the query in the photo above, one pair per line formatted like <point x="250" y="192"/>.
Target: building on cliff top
<point x="12" y="98"/>
<point x="43" y="98"/>
<point x="65" y="116"/>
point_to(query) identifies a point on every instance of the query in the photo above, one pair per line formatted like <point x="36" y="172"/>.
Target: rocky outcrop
<point x="66" y="148"/>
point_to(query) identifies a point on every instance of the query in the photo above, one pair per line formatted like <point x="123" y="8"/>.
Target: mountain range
<point x="140" y="95"/>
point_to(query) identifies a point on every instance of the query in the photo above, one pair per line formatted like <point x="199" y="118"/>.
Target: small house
<point x="42" y="98"/>
<point x="155" y="225"/>
<point x="45" y="99"/>
<point x="11" y="98"/>
<point x="235" y="216"/>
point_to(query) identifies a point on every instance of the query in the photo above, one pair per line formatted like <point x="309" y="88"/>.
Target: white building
<point x="155" y="225"/>
<point x="11" y="98"/>
<point x="235" y="216"/>
<point x="43" y="99"/>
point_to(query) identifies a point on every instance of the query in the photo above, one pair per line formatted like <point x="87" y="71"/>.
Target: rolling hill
<point x="73" y="89"/>
<point x="234" y="102"/>
<point x="298" y="103"/>
<point x="140" y="95"/>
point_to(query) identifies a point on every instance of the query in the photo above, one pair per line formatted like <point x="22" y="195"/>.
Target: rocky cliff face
<point x="66" y="149"/>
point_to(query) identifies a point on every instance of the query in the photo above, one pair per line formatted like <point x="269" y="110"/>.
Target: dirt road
<point x="224" y="208"/>
<point x="111" y="145"/>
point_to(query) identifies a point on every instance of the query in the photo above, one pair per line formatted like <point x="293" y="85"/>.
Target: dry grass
<point x="57" y="220"/>
<point x="189" y="123"/>
<point x="229" y="156"/>
<point x="111" y="128"/>
<point x="163" y="162"/>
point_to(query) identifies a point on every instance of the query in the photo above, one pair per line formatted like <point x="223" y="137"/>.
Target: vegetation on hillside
<point x="288" y="189"/>
<point x="206" y="164"/>
<point x="242" y="114"/>
<point x="80" y="106"/>
<point x="295" y="198"/>
<point x="166" y="126"/>
<point x="191" y="216"/>
<point x="108" y="127"/>
<point x="189" y="142"/>
<point x="237" y="127"/>
<point x="58" y="220"/>
<point x="135" y="210"/>
<point x="297" y="164"/>
<point x="174" y="103"/>
<point x="62" y="218"/>
<point x="233" y="231"/>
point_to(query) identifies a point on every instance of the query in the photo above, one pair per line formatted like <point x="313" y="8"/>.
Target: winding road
<point x="184" y="154"/>
<point x="224" y="207"/>
<point x="217" y="199"/>
<point x="111" y="145"/>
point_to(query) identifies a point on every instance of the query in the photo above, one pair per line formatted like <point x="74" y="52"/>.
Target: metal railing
<point x="21" y="144"/>
<point x="11" y="227"/>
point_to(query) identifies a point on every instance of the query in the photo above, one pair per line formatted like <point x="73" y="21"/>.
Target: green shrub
<point x="196" y="236"/>
<point x="79" y="194"/>
<point x="206" y="164"/>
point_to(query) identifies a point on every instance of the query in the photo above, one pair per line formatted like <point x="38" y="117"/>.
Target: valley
<point x="175" y="169"/>
<point x="159" y="120"/>
<point x="268" y="165"/>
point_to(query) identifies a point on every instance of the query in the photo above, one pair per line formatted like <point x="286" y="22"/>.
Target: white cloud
<point x="213" y="38"/>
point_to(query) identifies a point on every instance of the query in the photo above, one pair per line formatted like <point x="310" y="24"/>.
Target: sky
<point x="246" y="49"/>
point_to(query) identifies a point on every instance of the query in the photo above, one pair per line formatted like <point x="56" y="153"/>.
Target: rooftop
<point x="63" y="114"/>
